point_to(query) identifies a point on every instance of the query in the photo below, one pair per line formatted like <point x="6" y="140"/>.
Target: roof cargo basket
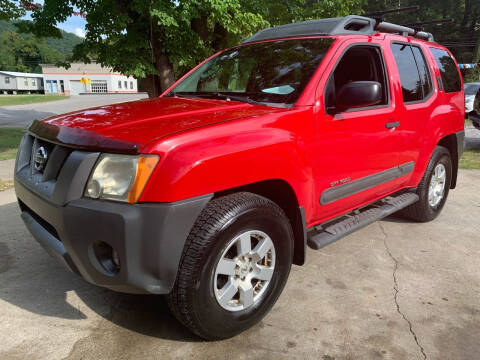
<point x="348" y="25"/>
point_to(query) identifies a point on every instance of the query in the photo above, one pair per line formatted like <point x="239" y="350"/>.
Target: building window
<point x="119" y="84"/>
<point x="131" y="85"/>
<point x="26" y="82"/>
<point x="126" y="85"/>
<point x="33" y="82"/>
<point x="7" y="80"/>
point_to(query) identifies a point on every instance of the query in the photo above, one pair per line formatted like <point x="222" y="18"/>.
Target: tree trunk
<point x="476" y="52"/>
<point x="199" y="25"/>
<point x="166" y="74"/>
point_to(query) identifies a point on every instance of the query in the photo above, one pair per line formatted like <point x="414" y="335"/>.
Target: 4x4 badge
<point x="40" y="159"/>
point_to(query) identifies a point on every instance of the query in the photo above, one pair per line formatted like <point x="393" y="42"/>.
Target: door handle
<point x="392" y="125"/>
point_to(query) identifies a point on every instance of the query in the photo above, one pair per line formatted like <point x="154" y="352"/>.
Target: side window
<point x="412" y="84"/>
<point x="423" y="69"/>
<point x="359" y="63"/>
<point x="448" y="70"/>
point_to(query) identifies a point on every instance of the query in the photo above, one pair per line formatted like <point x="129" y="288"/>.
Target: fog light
<point x="107" y="257"/>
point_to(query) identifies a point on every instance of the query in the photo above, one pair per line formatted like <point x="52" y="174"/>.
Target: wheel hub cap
<point x="436" y="190"/>
<point x="244" y="270"/>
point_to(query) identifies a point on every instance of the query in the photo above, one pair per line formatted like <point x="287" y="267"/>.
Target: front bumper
<point x="148" y="238"/>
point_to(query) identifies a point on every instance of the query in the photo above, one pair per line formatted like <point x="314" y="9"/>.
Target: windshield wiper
<point x="229" y="97"/>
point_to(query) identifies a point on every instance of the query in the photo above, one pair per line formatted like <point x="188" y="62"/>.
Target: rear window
<point x="414" y="75"/>
<point x="448" y="70"/>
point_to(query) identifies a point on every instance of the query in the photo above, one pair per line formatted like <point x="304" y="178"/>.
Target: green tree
<point x="25" y="53"/>
<point x="161" y="39"/>
<point x="10" y="10"/>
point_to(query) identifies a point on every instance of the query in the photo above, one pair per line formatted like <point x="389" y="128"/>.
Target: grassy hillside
<point x="64" y="45"/>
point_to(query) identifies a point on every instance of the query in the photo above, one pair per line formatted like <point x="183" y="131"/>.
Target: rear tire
<point x="242" y="243"/>
<point x="433" y="189"/>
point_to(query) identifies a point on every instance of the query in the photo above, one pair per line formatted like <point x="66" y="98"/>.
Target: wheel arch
<point x="452" y="144"/>
<point x="282" y="194"/>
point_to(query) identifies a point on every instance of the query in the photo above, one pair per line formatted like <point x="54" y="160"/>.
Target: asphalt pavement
<point x="22" y="115"/>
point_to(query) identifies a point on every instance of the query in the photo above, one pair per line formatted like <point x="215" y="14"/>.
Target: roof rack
<point x="348" y="25"/>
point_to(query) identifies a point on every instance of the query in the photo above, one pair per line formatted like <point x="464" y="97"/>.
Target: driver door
<point x="357" y="150"/>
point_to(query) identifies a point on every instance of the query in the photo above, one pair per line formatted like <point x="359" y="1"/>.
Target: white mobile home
<point x="18" y="82"/>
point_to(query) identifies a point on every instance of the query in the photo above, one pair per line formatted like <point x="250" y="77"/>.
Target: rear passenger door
<point x="414" y="101"/>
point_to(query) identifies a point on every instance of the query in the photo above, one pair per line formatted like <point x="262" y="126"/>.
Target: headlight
<point x="120" y="177"/>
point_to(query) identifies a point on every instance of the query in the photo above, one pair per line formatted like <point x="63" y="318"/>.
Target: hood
<point x="140" y="122"/>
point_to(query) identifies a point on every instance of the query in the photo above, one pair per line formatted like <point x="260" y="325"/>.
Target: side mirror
<point x="359" y="94"/>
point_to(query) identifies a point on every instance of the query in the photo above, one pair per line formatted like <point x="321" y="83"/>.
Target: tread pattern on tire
<point x="417" y="211"/>
<point x="207" y="225"/>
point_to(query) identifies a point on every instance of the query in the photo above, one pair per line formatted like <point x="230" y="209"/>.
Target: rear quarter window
<point x="448" y="70"/>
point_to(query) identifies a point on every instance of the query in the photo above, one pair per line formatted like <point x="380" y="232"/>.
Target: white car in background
<point x="471" y="90"/>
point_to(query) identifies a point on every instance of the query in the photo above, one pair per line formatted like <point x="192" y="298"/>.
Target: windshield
<point x="270" y="72"/>
<point x="472" y="88"/>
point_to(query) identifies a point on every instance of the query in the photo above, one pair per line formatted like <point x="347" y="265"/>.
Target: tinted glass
<point x="412" y="85"/>
<point x="448" y="69"/>
<point x="423" y="71"/>
<point x="359" y="63"/>
<point x="271" y="72"/>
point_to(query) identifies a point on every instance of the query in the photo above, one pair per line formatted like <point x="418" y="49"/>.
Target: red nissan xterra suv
<point x="299" y="136"/>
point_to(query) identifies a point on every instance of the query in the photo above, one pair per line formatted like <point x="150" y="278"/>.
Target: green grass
<point x="9" y="141"/>
<point x="6" y="100"/>
<point x="470" y="160"/>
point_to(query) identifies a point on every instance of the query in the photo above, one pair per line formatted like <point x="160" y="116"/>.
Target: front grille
<point x="45" y="159"/>
<point x="56" y="173"/>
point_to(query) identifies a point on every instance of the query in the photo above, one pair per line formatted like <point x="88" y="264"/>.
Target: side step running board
<point x="332" y="231"/>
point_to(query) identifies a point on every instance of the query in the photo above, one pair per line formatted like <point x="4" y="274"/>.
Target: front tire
<point x="235" y="264"/>
<point x="433" y="189"/>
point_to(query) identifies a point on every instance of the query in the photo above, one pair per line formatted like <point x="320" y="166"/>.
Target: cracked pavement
<point x="394" y="290"/>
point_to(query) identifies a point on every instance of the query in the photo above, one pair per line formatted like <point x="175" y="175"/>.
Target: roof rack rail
<point x="348" y="25"/>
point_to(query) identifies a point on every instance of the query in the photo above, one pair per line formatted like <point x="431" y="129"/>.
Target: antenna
<point x="379" y="16"/>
